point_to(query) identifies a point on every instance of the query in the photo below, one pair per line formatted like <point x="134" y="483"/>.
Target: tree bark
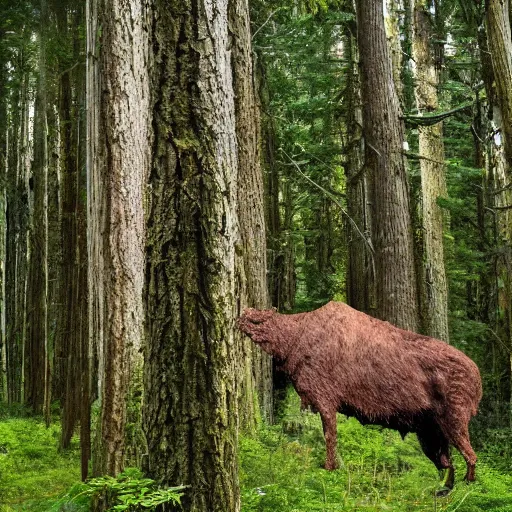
<point x="360" y="265"/>
<point x="3" y="221"/>
<point x="497" y="74"/>
<point x="433" y="180"/>
<point x="394" y="11"/>
<point x="95" y="204"/>
<point x="116" y="186"/>
<point x="36" y="352"/>
<point x="13" y="229"/>
<point x="68" y="334"/>
<point x="251" y="214"/>
<point x="500" y="46"/>
<point x="191" y="370"/>
<point x="396" y="295"/>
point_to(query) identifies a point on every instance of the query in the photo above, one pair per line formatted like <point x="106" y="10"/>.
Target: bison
<point x="342" y="360"/>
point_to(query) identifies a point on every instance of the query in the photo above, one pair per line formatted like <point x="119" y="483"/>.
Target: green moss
<point x="32" y="470"/>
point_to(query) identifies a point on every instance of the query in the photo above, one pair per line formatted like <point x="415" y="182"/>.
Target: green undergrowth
<point x="33" y="472"/>
<point x="281" y="471"/>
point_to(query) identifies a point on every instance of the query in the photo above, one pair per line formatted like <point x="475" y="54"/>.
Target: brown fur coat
<point x="342" y="360"/>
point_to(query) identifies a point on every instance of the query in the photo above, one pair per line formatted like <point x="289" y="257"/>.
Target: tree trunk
<point x="84" y="346"/>
<point x="37" y="340"/>
<point x="500" y="46"/>
<point x="497" y="74"/>
<point x="124" y="150"/>
<point x="433" y="180"/>
<point x="95" y="204"/>
<point x="3" y="222"/>
<point x="68" y="335"/>
<point x="394" y="11"/>
<point x="191" y="371"/>
<point x="396" y="295"/>
<point x="252" y="262"/>
<point x="12" y="336"/>
<point x="360" y="268"/>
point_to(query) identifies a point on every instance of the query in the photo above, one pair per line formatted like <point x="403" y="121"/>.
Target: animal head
<point x="258" y="325"/>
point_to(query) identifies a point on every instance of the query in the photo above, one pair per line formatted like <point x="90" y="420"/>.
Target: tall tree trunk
<point x="124" y="148"/>
<point x="396" y="295"/>
<point x="191" y="369"/>
<point x="13" y="342"/>
<point x="360" y="268"/>
<point x="37" y="297"/>
<point x="3" y="222"/>
<point x="68" y="340"/>
<point x="251" y="213"/>
<point x="500" y="47"/>
<point x="394" y="11"/>
<point x="497" y="74"/>
<point x="17" y="221"/>
<point x="95" y="204"/>
<point x="433" y="180"/>
<point x="286" y="264"/>
<point x="94" y="220"/>
<point x="84" y="346"/>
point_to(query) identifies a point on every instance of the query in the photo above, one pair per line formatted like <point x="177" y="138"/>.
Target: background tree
<point x="21" y="58"/>
<point x="434" y="289"/>
<point x="361" y="264"/>
<point x="36" y="352"/>
<point x="251" y="255"/>
<point x="497" y="24"/>
<point x="69" y="19"/>
<point x="396" y="295"/>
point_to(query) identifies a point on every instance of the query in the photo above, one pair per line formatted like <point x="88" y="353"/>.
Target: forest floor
<point x="280" y="471"/>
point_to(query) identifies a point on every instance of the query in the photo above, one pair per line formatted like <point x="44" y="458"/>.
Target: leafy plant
<point x="130" y="491"/>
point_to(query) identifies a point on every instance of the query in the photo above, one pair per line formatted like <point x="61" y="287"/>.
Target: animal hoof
<point x="444" y="491"/>
<point x="470" y="477"/>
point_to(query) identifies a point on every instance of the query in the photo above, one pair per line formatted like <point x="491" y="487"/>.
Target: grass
<point x="33" y="472"/>
<point x="280" y="471"/>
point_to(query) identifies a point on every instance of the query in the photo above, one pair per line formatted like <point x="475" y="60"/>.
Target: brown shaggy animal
<point x="342" y="360"/>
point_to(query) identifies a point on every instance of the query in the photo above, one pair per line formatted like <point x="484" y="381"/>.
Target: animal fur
<point x="342" y="360"/>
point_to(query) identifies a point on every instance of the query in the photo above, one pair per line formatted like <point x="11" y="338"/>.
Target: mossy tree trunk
<point x="498" y="80"/>
<point x="117" y="179"/>
<point x="252" y="259"/>
<point x="192" y="371"/>
<point x="499" y="38"/>
<point x="434" y="294"/>
<point x="396" y="289"/>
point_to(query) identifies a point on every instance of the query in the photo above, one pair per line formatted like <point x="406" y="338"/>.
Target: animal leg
<point x="458" y="434"/>
<point x="461" y="442"/>
<point x="329" y="426"/>
<point x="436" y="447"/>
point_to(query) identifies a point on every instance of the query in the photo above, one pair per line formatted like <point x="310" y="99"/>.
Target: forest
<point x="166" y="165"/>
